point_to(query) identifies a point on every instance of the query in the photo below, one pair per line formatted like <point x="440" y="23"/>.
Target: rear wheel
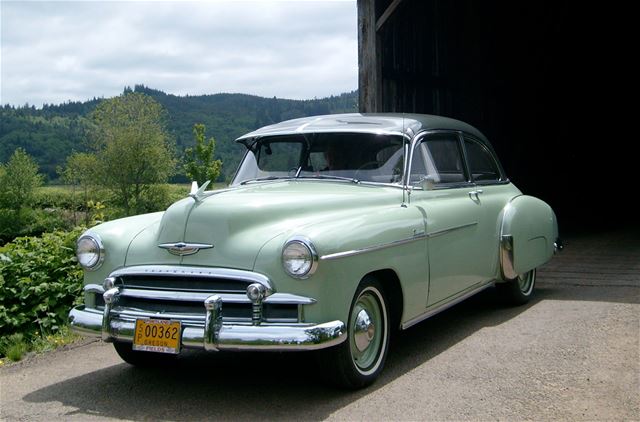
<point x="142" y="359"/>
<point x="519" y="290"/>
<point x="358" y="361"/>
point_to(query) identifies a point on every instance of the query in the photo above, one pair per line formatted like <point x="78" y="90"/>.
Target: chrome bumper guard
<point x="211" y="333"/>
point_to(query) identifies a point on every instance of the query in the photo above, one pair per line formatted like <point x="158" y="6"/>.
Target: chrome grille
<point x="187" y="284"/>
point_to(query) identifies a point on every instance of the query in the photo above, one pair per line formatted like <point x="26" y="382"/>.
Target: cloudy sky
<point x="55" y="51"/>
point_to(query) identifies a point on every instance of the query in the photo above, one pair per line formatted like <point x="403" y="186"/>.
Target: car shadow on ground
<point x="271" y="385"/>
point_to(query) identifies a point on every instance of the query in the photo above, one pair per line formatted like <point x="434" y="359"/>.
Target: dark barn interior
<point x="527" y="74"/>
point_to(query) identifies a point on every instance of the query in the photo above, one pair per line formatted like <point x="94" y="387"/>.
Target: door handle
<point x="475" y="193"/>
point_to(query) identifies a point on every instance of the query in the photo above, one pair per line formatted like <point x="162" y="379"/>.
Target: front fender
<point x="116" y="236"/>
<point x="374" y="241"/>
<point x="528" y="231"/>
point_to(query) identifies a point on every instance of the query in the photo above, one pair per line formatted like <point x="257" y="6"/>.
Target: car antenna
<point x="405" y="188"/>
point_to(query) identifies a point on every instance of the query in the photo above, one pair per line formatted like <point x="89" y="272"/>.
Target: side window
<point x="482" y="165"/>
<point x="447" y="159"/>
<point x="438" y="157"/>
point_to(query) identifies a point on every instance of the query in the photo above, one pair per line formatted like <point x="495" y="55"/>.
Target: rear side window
<point x="482" y="165"/>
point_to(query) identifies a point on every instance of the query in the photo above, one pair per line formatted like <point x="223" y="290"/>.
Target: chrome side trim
<point x="439" y="308"/>
<point x="353" y="252"/>
<point x="232" y="274"/>
<point x="506" y="257"/>
<point x="451" y="229"/>
<point x="417" y="236"/>
<point x="266" y="337"/>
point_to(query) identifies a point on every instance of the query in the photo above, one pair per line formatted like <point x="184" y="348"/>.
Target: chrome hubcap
<point x="366" y="327"/>
<point x="364" y="330"/>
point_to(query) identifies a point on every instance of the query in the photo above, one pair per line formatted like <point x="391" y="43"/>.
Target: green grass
<point x="14" y="347"/>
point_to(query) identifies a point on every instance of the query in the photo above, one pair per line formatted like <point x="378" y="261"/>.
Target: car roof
<point x="375" y="123"/>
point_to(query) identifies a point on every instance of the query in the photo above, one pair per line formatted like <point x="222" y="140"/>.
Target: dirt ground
<point x="573" y="353"/>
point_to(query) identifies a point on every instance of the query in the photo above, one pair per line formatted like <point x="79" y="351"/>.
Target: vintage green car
<point x="335" y="231"/>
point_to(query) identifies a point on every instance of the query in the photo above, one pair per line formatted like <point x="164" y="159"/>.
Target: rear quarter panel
<point x="533" y="228"/>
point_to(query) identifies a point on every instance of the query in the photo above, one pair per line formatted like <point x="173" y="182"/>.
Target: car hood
<point x="237" y="222"/>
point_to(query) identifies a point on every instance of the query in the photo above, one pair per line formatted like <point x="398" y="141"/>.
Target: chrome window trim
<point x="502" y="180"/>
<point x="178" y="270"/>
<point x="250" y="142"/>
<point x="414" y="143"/>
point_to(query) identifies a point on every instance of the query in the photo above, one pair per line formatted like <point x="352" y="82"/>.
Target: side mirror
<point x="428" y="182"/>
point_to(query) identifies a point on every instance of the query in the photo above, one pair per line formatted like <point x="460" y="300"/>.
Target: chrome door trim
<point x="344" y="254"/>
<point x="417" y="236"/>
<point x="451" y="229"/>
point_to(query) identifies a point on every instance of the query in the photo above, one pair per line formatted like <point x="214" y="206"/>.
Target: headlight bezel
<point x="307" y="245"/>
<point x="99" y="247"/>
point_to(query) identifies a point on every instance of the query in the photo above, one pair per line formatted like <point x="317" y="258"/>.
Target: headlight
<point x="90" y="251"/>
<point x="299" y="257"/>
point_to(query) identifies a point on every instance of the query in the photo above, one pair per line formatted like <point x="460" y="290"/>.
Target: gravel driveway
<point x="571" y="354"/>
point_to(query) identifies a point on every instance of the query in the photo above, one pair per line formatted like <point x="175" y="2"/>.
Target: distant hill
<point x="50" y="134"/>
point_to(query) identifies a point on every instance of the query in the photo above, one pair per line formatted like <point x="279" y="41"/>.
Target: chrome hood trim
<point x="183" y="249"/>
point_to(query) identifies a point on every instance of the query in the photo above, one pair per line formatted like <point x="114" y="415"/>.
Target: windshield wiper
<point x="261" y="179"/>
<point x="329" y="177"/>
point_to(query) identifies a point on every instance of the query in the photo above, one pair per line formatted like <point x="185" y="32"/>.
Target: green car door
<point x="460" y="238"/>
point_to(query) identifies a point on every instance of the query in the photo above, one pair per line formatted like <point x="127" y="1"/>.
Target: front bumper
<point x="214" y="335"/>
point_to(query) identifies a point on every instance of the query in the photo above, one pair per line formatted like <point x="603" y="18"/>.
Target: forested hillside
<point x="50" y="134"/>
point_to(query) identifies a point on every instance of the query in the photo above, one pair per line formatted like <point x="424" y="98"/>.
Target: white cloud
<point x="57" y="51"/>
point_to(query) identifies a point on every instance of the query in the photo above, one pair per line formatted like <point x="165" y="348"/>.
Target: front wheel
<point x="357" y="362"/>
<point x="519" y="290"/>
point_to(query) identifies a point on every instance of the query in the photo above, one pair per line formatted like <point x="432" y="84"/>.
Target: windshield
<point x="351" y="156"/>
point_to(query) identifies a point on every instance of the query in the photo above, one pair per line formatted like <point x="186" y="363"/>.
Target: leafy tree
<point x="18" y="177"/>
<point x="132" y="147"/>
<point x="80" y="172"/>
<point x="199" y="163"/>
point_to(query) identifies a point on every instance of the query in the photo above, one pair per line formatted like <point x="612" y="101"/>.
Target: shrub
<point x="56" y="197"/>
<point x="39" y="282"/>
<point x="13" y="346"/>
<point x="31" y="222"/>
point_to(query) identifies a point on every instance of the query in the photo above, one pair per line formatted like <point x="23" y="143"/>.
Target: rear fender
<point x="528" y="232"/>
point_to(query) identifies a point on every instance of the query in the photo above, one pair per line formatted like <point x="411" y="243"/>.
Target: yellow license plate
<point x="157" y="335"/>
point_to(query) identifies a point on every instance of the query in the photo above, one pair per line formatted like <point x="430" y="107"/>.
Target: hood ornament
<point x="197" y="193"/>
<point x="183" y="249"/>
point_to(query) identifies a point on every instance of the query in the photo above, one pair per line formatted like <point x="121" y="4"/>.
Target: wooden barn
<point x="530" y="75"/>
